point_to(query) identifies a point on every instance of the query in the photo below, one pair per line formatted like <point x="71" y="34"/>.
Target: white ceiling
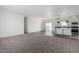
<point x="42" y="10"/>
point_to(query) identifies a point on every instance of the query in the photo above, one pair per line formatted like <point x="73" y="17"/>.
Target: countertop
<point x="63" y="27"/>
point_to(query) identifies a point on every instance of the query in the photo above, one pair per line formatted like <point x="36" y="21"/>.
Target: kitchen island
<point x="63" y="31"/>
<point x="66" y="32"/>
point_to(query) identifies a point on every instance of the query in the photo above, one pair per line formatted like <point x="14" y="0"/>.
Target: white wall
<point x="11" y="24"/>
<point x="33" y="24"/>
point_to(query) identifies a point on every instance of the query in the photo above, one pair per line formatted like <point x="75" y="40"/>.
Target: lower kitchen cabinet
<point x="63" y="31"/>
<point x="67" y="31"/>
<point x="58" y="31"/>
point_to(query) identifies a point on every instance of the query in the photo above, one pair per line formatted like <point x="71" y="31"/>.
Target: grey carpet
<point x="38" y="43"/>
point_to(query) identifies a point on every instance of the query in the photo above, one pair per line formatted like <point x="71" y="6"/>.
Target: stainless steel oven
<point x="74" y="28"/>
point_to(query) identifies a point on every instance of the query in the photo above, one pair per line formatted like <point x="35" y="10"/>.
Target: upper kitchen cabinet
<point x="78" y="18"/>
<point x="74" y="19"/>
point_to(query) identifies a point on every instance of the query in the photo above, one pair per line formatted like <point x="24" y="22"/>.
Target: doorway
<point x="25" y="24"/>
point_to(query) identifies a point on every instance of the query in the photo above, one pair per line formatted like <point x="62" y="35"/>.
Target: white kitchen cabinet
<point x="58" y="30"/>
<point x="67" y="31"/>
<point x="63" y="31"/>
